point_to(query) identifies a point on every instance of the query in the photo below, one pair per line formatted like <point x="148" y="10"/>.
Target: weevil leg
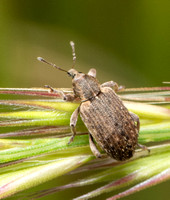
<point x="143" y="147"/>
<point x="66" y="97"/>
<point x="73" y="122"/>
<point x="136" y="119"/>
<point x="113" y="85"/>
<point x="93" y="147"/>
<point x="92" y="72"/>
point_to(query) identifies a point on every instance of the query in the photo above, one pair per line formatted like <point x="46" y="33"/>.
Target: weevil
<point x="108" y="121"/>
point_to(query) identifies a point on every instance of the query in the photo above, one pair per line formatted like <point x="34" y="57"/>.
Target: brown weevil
<point x="108" y="121"/>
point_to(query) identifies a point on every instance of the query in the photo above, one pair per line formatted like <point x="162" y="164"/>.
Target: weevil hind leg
<point x="66" y="97"/>
<point x="143" y="147"/>
<point x="113" y="85"/>
<point x="92" y="72"/>
<point x="73" y="122"/>
<point x="93" y="147"/>
<point x="136" y="119"/>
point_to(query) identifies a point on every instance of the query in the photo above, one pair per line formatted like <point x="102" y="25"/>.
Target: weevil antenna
<point x="73" y="53"/>
<point x="44" y="61"/>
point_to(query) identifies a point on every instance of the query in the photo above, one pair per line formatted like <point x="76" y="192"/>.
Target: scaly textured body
<point x="110" y="123"/>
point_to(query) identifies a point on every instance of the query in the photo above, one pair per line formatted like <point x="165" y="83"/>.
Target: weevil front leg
<point x="73" y="122"/>
<point x="113" y="85"/>
<point x="93" y="147"/>
<point x="136" y="119"/>
<point x="66" y="97"/>
<point x="92" y="72"/>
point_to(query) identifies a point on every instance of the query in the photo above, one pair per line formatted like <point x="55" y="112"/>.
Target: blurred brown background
<point x="126" y="41"/>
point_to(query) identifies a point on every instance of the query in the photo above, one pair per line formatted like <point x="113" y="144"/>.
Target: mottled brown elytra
<point x="108" y="121"/>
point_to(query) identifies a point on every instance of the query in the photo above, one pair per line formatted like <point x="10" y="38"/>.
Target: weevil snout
<point x="72" y="72"/>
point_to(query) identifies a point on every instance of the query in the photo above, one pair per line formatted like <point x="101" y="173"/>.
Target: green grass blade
<point x="19" y="180"/>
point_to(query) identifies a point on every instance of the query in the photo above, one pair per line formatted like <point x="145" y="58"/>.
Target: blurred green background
<point x="126" y="41"/>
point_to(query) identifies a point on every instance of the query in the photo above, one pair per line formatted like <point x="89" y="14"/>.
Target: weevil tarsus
<point x="143" y="147"/>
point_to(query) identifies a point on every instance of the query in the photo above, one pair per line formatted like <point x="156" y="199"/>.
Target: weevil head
<point x="72" y="72"/>
<point x="84" y="86"/>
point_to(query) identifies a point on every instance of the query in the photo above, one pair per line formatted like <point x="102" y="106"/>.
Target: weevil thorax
<point x="84" y="86"/>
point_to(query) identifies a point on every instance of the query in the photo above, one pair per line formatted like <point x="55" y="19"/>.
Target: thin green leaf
<point x="148" y="111"/>
<point x="48" y="104"/>
<point x="122" y="174"/>
<point x="146" y="89"/>
<point x="19" y="180"/>
<point x="39" y="131"/>
<point x="20" y="156"/>
<point x="150" y="166"/>
<point x="38" y="147"/>
<point x="33" y="91"/>
<point x="163" y="176"/>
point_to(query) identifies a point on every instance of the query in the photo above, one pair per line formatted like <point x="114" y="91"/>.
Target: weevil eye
<point x="71" y="74"/>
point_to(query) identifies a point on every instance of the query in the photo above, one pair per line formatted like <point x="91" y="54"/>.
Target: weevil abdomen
<point x="110" y="124"/>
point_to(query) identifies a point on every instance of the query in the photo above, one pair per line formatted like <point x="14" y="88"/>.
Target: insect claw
<point x="143" y="147"/>
<point x="71" y="140"/>
<point x="49" y="87"/>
